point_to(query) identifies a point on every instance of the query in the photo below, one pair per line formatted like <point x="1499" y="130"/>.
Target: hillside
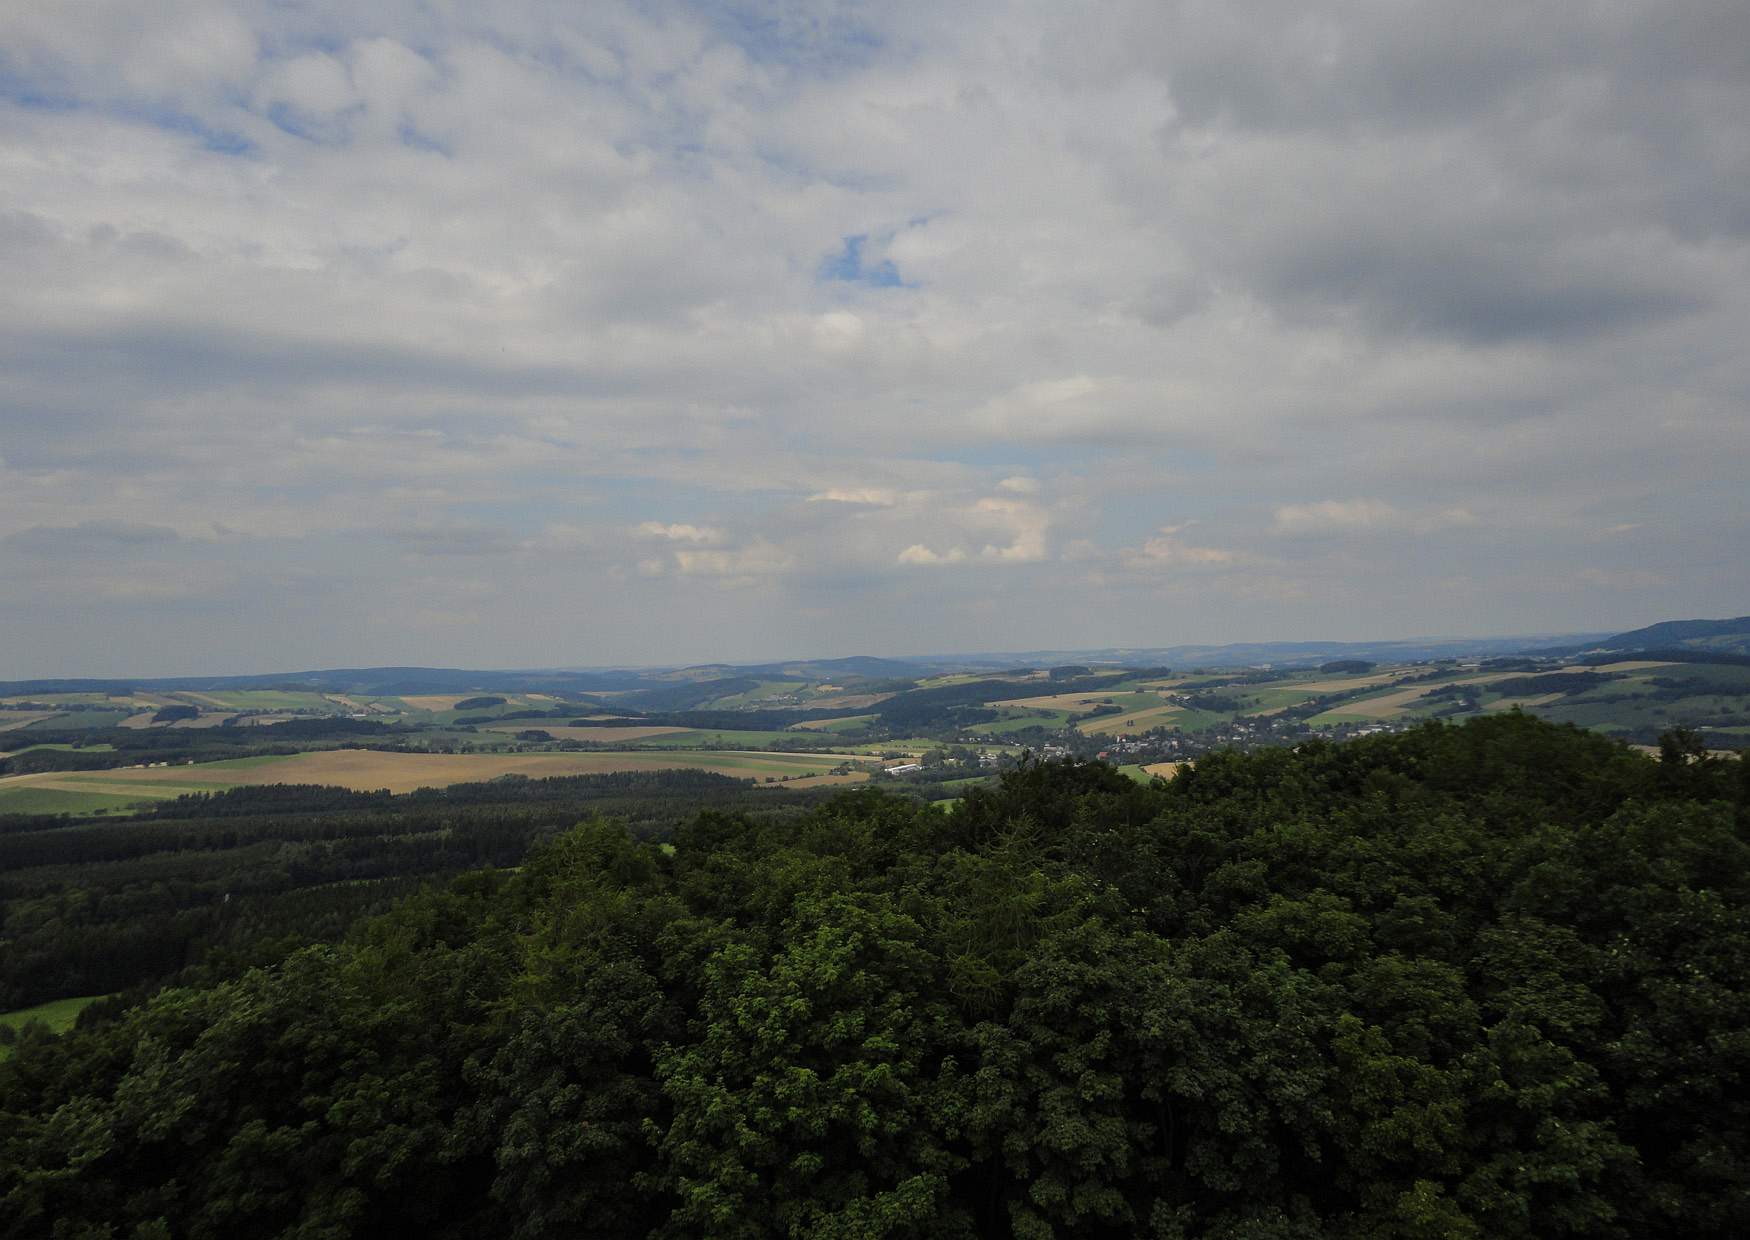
<point x="1718" y="636"/>
<point x="1479" y="980"/>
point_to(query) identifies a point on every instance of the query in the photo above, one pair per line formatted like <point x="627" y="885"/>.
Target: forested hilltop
<point x="1482" y="980"/>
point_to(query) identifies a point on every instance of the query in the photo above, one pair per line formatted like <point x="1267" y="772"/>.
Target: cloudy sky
<point x="515" y="333"/>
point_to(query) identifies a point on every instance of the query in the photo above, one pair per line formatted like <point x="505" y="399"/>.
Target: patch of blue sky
<point x="420" y="141"/>
<point x="213" y="138"/>
<point x="827" y="41"/>
<point x="794" y="167"/>
<point x="850" y="266"/>
<point x="20" y="90"/>
<point x="324" y="132"/>
<point x="37" y="97"/>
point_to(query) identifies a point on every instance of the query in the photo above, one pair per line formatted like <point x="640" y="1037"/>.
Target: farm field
<point x="12" y="720"/>
<point x="368" y="770"/>
<point x="63" y="747"/>
<point x="823" y="781"/>
<point x="58" y="1015"/>
<point x="1017" y="723"/>
<point x="605" y="736"/>
<point x="844" y="723"/>
<point x="1163" y="714"/>
<point x="1078" y="702"/>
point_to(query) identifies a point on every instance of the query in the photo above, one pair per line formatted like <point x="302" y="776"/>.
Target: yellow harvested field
<point x="366" y="770"/>
<point x="1343" y="685"/>
<point x="1132" y="721"/>
<point x="1166" y="770"/>
<point x="141" y="720"/>
<point x="1628" y="665"/>
<point x="203" y="721"/>
<point x="1393" y="703"/>
<point x="11" y="720"/>
<point x="437" y="701"/>
<point x="568" y="733"/>
<point x="203" y="699"/>
<point x="1389" y="704"/>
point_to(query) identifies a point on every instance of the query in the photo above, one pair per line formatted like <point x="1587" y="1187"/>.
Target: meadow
<point x="58" y="1015"/>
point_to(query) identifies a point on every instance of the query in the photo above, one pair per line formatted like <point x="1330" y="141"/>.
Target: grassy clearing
<point x="58" y="1015"/>
<point x="65" y="747"/>
<point x="28" y="800"/>
<point x="1050" y="720"/>
<point x="845" y="723"/>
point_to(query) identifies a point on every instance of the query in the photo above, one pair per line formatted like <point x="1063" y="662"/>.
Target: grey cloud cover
<point x="337" y="334"/>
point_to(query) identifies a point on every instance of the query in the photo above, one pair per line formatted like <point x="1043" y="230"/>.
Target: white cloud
<point x="758" y="559"/>
<point x="680" y="532"/>
<point x="331" y="273"/>
<point x="917" y="553"/>
<point x="879" y="497"/>
<point x="1165" y="550"/>
<point x="1340" y="516"/>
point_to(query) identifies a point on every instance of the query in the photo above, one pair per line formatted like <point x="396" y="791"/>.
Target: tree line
<point x="1477" y="981"/>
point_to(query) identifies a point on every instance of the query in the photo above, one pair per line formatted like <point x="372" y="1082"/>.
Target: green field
<point x="1048" y="719"/>
<point x="81" y="719"/>
<point x="58" y="1015"/>
<point x="764" y="691"/>
<point x="28" y="800"/>
<point x="13" y="753"/>
<point x="750" y="739"/>
<point x="850" y="723"/>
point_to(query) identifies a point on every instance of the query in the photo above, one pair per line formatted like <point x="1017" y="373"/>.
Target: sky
<point x="512" y="333"/>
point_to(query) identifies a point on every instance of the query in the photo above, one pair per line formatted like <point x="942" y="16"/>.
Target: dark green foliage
<point x="1479" y="981"/>
<point x="102" y="906"/>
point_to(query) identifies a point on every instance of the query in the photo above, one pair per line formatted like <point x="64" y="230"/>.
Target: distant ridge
<point x="393" y="681"/>
<point x="1727" y="637"/>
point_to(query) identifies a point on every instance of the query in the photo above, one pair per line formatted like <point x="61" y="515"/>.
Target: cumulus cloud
<point x="1167" y="550"/>
<point x="407" y="292"/>
<point x="679" y="531"/>
<point x="879" y="497"/>
<point x="917" y="553"/>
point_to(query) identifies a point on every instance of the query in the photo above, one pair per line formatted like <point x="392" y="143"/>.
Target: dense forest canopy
<point x="1487" y="980"/>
